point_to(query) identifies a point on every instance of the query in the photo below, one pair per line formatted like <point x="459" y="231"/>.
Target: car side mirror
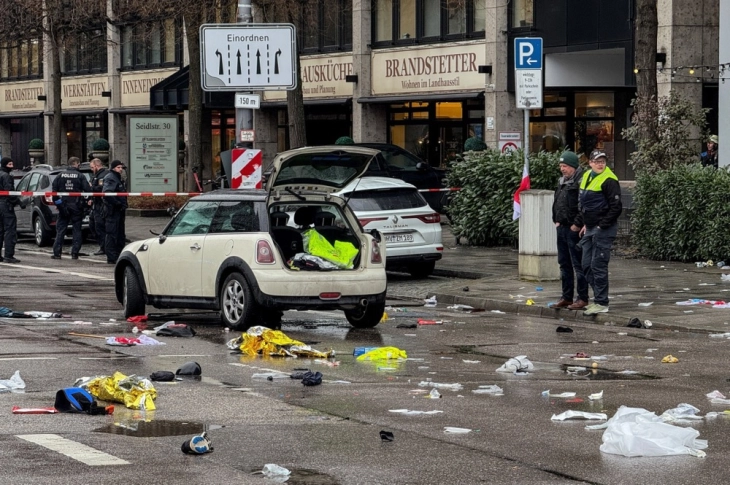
<point x="376" y="235"/>
<point x="422" y="166"/>
<point x="162" y="238"/>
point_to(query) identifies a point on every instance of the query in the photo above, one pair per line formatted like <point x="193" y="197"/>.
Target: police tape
<point x="15" y="193"/>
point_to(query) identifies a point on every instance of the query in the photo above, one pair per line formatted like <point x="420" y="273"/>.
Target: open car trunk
<point x="314" y="237"/>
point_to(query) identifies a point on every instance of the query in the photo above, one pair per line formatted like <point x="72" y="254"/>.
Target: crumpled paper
<point x="264" y="341"/>
<point x="133" y="391"/>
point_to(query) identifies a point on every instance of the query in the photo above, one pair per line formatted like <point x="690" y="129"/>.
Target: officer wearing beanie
<point x="8" y="220"/>
<point x="567" y="226"/>
<point x="116" y="206"/>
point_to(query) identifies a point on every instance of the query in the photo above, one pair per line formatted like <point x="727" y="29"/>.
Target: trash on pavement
<point x="264" y="341"/>
<point x="570" y="414"/>
<point x="78" y="400"/>
<point x="492" y="389"/>
<point x="407" y="325"/>
<point x="270" y="376"/>
<point x="438" y="385"/>
<point x="530" y="301"/>
<point x="162" y="376"/>
<point x="133" y="391"/>
<point x="720" y="335"/>
<point x="564" y="329"/>
<point x="383" y="353"/>
<point x="434" y="394"/>
<point x="669" y="359"/>
<point x="430" y="302"/>
<point x="454" y="430"/>
<point x="716" y="397"/>
<point x="714" y="414"/>
<point x="581" y="356"/>
<point x="128" y="342"/>
<point x="189" y="369"/>
<point x="562" y="394"/>
<point x="517" y="364"/>
<point x="470" y="361"/>
<point x="638" y="432"/>
<point x="538" y="288"/>
<point x="682" y="412"/>
<point x="197" y="445"/>
<point x="19" y="410"/>
<point x="362" y="350"/>
<point x="137" y="319"/>
<point x="725" y="277"/>
<point x="461" y="308"/>
<point x="172" y="329"/>
<point x="386" y="436"/>
<point x="15" y="383"/>
<point x="422" y="321"/>
<point x="312" y="378"/>
<point x="409" y="412"/>
<point x="646" y="304"/>
<point x="596" y="396"/>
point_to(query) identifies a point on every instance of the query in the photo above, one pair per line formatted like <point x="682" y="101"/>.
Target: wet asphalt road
<point x="329" y="434"/>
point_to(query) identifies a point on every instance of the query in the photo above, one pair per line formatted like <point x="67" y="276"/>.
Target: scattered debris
<point x="461" y="308"/>
<point x="453" y="430"/>
<point x="681" y="413"/>
<point x="564" y="329"/>
<point x="570" y="414"/>
<point x="561" y="395"/>
<point x="386" y="436"/>
<point x="596" y="396"/>
<point x="19" y="410"/>
<point x="470" y="361"/>
<point x="133" y="391"/>
<point x="492" y="389"/>
<point x="131" y="341"/>
<point x="78" y="400"/>
<point x="422" y="321"/>
<point x="189" y="369"/>
<point x="197" y="445"/>
<point x="517" y="365"/>
<point x="407" y="325"/>
<point x="669" y="359"/>
<point x="383" y="353"/>
<point x="264" y="341"/>
<point x="430" y="302"/>
<point x="312" y="379"/>
<point x="646" y="304"/>
<point x="15" y="383"/>
<point x="451" y="387"/>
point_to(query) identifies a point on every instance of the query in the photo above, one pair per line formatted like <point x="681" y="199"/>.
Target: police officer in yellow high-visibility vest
<point x="599" y="205"/>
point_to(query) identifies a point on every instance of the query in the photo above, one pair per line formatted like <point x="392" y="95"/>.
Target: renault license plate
<point x="396" y="238"/>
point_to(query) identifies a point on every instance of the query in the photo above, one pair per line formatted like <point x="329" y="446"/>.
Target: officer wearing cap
<point x="565" y="217"/>
<point x="70" y="209"/>
<point x="599" y="204"/>
<point x="99" y="210"/>
<point x="709" y="158"/>
<point x="115" y="212"/>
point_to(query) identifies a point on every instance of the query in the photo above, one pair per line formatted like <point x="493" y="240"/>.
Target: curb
<point x="557" y="314"/>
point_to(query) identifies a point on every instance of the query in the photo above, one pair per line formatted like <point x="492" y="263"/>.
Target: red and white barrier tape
<point x="98" y="194"/>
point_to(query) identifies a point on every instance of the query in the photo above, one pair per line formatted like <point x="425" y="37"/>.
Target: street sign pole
<point x="528" y="81"/>
<point x="244" y="116"/>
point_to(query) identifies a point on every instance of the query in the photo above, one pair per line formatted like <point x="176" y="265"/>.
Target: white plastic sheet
<point x="517" y="364"/>
<point x="682" y="412"/>
<point x="15" y="383"/>
<point x="489" y="389"/>
<point x="438" y="385"/>
<point x="570" y="414"/>
<point x="638" y="432"/>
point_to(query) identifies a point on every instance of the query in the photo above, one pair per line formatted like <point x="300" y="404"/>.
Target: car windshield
<point x="194" y="218"/>
<point x="335" y="169"/>
<point x="379" y="200"/>
<point x="401" y="160"/>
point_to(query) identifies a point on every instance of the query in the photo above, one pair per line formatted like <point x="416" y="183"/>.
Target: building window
<point x="150" y="45"/>
<point x="21" y="60"/>
<point x="408" y="21"/>
<point x="522" y="16"/>
<point x="84" y="52"/>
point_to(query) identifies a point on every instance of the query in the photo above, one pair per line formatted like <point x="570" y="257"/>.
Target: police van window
<point x="239" y="216"/>
<point x="194" y="218"/>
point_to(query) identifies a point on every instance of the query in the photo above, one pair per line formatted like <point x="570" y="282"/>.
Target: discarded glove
<point x="198" y="445"/>
<point x="162" y="376"/>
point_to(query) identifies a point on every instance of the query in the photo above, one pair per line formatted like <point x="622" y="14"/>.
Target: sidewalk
<point x="494" y="285"/>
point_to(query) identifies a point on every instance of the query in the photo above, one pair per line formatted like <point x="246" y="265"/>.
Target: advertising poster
<point x="152" y="153"/>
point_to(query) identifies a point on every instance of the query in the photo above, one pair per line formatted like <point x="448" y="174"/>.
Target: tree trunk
<point x="645" y="62"/>
<point x="195" y="103"/>
<point x="56" y="118"/>
<point x="295" y="110"/>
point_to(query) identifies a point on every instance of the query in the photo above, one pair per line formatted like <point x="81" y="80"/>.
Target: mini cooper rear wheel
<point x="366" y="317"/>
<point x="132" y="298"/>
<point x="237" y="304"/>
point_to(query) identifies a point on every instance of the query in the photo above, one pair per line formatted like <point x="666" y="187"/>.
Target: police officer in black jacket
<point x="70" y="209"/>
<point x="98" y="212"/>
<point x="115" y="208"/>
<point x="8" y="220"/>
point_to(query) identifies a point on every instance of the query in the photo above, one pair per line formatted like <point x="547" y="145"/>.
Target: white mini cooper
<point x="234" y="251"/>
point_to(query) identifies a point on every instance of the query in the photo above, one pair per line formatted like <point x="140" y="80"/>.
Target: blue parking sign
<point x="528" y="53"/>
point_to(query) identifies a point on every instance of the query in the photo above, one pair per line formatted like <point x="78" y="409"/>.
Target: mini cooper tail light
<point x="264" y="254"/>
<point x="375" y="255"/>
<point x="434" y="218"/>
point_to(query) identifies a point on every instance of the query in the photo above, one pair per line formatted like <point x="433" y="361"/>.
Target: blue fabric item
<point x="5" y="311"/>
<point x="73" y="400"/>
<point x="58" y="202"/>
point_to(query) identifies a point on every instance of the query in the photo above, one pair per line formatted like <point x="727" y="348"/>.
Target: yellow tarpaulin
<point x="133" y="391"/>
<point x="383" y="353"/>
<point x="264" y="341"/>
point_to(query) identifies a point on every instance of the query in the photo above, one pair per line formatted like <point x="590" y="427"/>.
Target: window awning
<point x="172" y="94"/>
<point x="32" y="114"/>
<point x="411" y="98"/>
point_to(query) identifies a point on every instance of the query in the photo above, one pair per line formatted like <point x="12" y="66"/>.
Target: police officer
<point x="70" y="209"/>
<point x="8" y="220"/>
<point x="98" y="213"/>
<point x="115" y="207"/>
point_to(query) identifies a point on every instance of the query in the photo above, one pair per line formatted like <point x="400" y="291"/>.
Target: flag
<point x="524" y="185"/>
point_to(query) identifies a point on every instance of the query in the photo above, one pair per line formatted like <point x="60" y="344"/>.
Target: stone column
<point x="369" y="123"/>
<point x="499" y="104"/>
<point x="266" y="125"/>
<point x="118" y="145"/>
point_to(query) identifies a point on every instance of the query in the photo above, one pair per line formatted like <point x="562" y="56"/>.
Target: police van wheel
<point x="133" y="299"/>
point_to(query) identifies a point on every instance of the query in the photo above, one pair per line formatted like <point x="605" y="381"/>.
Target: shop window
<point x="547" y="136"/>
<point x="594" y="105"/>
<point x="522" y="14"/>
<point x="449" y="110"/>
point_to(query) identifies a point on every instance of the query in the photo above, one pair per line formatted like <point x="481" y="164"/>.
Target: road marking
<point x="79" y="452"/>
<point x="60" y="271"/>
<point x="28" y="358"/>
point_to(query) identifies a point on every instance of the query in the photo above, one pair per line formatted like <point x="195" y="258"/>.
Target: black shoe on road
<point x="10" y="260"/>
<point x="56" y="257"/>
<point x="74" y="256"/>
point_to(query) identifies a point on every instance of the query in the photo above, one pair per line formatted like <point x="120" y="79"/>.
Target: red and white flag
<point x="524" y="185"/>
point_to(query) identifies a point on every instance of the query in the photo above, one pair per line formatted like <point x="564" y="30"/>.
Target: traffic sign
<point x="509" y="140"/>
<point x="248" y="57"/>
<point x="247" y="136"/>
<point x="528" y="92"/>
<point x="528" y="53"/>
<point x="246" y="168"/>
<point x="249" y="101"/>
